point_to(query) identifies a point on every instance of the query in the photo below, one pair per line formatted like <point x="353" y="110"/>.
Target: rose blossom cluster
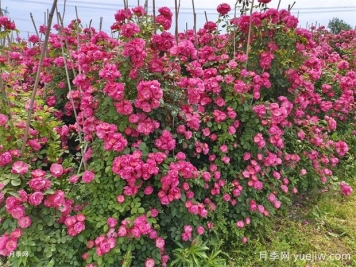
<point x="165" y="17"/>
<point x="59" y="201"/>
<point x="109" y="72"/>
<point x="14" y="206"/>
<point x="187" y="233"/>
<point x="129" y="29"/>
<point x="113" y="140"/>
<point x="196" y="209"/>
<point x="149" y="95"/>
<point x="75" y="224"/>
<point x="115" y="90"/>
<point x="6" y="24"/>
<point x="132" y="169"/>
<point x="135" y="49"/>
<point x="207" y="120"/>
<point x="273" y="199"/>
<point x="166" y="141"/>
<point x="8" y="242"/>
<point x="170" y="182"/>
<point x="163" y="41"/>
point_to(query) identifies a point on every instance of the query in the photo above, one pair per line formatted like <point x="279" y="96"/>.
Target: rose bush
<point x="141" y="142"/>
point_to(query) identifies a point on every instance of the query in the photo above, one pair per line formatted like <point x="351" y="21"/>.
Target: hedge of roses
<point x="145" y="141"/>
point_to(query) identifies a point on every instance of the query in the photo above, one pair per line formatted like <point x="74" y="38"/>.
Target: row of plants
<point x="148" y="148"/>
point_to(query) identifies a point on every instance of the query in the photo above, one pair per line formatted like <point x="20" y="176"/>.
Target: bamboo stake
<point x="177" y="11"/>
<point x="34" y="25"/>
<point x="235" y="29"/>
<point x="146" y="6"/>
<point x="64" y="8"/>
<point x="66" y="42"/>
<point x="291" y="6"/>
<point x="37" y="80"/>
<point x="195" y="23"/>
<point x="80" y="91"/>
<point x="210" y="35"/>
<point x="101" y="23"/>
<point x="279" y="3"/>
<point x="154" y="16"/>
<point x="70" y="90"/>
<point x="249" y="34"/>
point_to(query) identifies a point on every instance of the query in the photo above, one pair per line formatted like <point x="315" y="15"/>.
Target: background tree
<point x="336" y="25"/>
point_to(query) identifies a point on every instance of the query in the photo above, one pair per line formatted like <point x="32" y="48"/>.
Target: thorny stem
<point x="37" y="80"/>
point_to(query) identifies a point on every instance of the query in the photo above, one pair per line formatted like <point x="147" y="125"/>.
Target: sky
<point x="316" y="12"/>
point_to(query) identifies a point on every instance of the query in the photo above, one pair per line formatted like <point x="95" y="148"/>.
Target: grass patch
<point x="319" y="231"/>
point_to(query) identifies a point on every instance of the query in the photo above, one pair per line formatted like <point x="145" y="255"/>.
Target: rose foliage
<point x="145" y="140"/>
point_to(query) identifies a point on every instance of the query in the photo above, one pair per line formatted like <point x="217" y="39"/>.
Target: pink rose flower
<point x="112" y="222"/>
<point x="200" y="230"/>
<point x="3" y="119"/>
<point x="24" y="222"/>
<point x="345" y="189"/>
<point x="120" y="199"/>
<point x="150" y="262"/>
<point x="160" y="242"/>
<point x="223" y="9"/>
<point x="240" y="224"/>
<point x="20" y="167"/>
<point x="88" y="176"/>
<point x="73" y="179"/>
<point x="56" y="170"/>
<point x="36" y="198"/>
<point x="5" y="158"/>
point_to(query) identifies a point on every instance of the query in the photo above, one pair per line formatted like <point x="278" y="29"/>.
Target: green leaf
<point x="81" y="238"/>
<point x="16" y="182"/>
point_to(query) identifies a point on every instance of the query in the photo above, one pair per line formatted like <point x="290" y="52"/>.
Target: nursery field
<point x="229" y="145"/>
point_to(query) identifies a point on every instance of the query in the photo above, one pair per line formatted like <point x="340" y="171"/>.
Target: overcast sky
<point x="309" y="12"/>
